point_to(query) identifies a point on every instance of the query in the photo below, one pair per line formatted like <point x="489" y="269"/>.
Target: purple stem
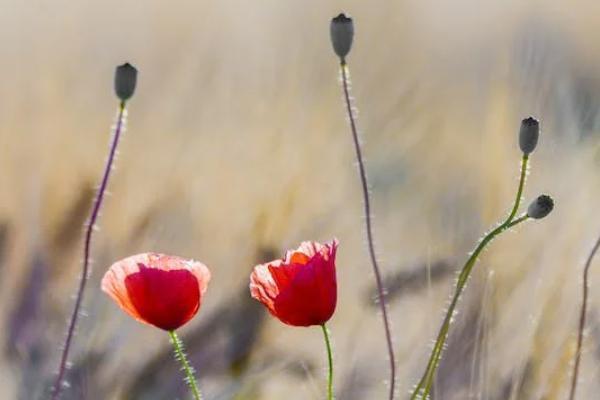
<point x="583" y="312"/>
<point x="56" y="390"/>
<point x="365" y="190"/>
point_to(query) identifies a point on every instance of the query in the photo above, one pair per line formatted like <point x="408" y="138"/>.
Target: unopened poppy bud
<point x="540" y="207"/>
<point x="125" y="79"/>
<point x="529" y="134"/>
<point x="342" y="33"/>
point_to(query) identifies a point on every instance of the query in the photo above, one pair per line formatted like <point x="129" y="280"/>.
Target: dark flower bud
<point x="125" y="79"/>
<point x="529" y="134"/>
<point x="342" y="32"/>
<point x="540" y="207"/>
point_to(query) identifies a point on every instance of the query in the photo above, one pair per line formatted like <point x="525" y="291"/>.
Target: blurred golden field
<point x="237" y="148"/>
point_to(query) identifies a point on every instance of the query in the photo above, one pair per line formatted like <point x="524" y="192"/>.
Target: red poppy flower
<point x="157" y="289"/>
<point x="300" y="289"/>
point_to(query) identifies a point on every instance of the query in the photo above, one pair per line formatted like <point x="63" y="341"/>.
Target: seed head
<point x="342" y="33"/>
<point x="529" y="134"/>
<point x="540" y="207"/>
<point x="125" y="79"/>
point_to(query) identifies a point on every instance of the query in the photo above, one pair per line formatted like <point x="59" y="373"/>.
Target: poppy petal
<point x="157" y="289"/>
<point x="301" y="288"/>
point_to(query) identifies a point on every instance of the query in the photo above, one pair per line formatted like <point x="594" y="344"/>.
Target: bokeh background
<point x="238" y="148"/>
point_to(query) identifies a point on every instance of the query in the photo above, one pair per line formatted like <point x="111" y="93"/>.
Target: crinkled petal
<point x="301" y="288"/>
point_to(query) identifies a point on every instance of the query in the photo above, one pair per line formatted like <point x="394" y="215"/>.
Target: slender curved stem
<point x="582" y="317"/>
<point x="522" y="180"/>
<point x="58" y="384"/>
<point x="423" y="388"/>
<point x="426" y="382"/>
<point x="367" y="211"/>
<point x="185" y="365"/>
<point x="330" y="359"/>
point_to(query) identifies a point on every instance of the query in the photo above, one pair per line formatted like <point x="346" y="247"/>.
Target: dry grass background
<point x="237" y="148"/>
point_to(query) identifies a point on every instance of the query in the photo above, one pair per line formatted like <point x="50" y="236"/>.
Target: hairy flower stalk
<point x="125" y="80"/>
<point x="425" y="384"/>
<point x="342" y="33"/>
<point x="582" y="319"/>
<point x="330" y="362"/>
<point x="163" y="291"/>
<point x="538" y="209"/>
<point x="180" y="356"/>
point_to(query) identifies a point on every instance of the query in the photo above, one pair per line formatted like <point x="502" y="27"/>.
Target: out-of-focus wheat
<point x="229" y="155"/>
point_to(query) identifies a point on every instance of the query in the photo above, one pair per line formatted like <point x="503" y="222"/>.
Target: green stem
<point x="424" y="386"/>
<point x="522" y="179"/>
<point x="187" y="368"/>
<point x="330" y="359"/>
<point x="426" y="382"/>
